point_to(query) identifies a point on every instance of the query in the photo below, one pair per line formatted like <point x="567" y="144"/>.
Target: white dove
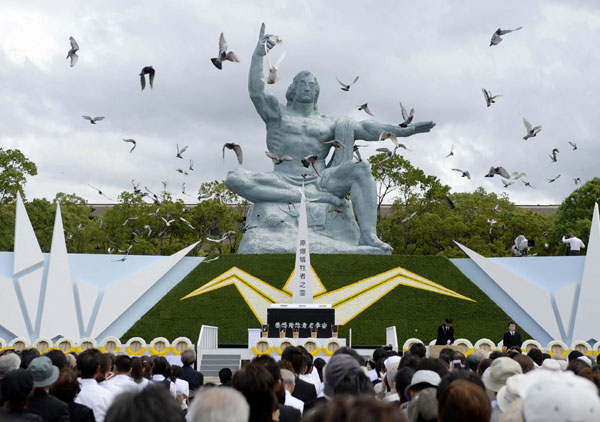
<point x="272" y="77"/>
<point x="72" y="54"/>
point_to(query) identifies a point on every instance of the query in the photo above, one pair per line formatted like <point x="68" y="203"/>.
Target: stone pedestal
<point x="277" y="228"/>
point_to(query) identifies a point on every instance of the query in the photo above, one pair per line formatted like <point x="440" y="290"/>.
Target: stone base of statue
<point x="277" y="228"/>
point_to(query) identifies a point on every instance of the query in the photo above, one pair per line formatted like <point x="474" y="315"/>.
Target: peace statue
<point x="297" y="129"/>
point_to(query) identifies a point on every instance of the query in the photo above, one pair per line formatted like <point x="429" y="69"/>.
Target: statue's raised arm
<point x="266" y="105"/>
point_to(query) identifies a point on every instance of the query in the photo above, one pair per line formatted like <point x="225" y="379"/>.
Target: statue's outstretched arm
<point x="369" y="130"/>
<point x="266" y="105"/>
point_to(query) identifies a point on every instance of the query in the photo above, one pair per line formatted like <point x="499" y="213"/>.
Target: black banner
<point x="305" y="320"/>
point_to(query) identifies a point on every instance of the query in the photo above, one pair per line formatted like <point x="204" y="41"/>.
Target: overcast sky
<point x="434" y="57"/>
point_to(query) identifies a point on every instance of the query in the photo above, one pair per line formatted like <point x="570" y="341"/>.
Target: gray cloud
<point x="434" y="58"/>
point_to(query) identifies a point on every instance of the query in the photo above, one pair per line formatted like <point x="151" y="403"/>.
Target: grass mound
<point x="414" y="312"/>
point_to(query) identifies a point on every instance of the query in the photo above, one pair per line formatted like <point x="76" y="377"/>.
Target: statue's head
<point x="304" y="88"/>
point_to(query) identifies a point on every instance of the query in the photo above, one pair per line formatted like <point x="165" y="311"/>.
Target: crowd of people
<point x="504" y="386"/>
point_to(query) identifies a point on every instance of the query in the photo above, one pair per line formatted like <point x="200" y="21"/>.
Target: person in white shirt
<point x="92" y="394"/>
<point x="181" y="385"/>
<point x="121" y="381"/>
<point x="138" y="372"/>
<point x="575" y="244"/>
<point x="161" y="373"/>
<point x="310" y="375"/>
<point x="289" y="382"/>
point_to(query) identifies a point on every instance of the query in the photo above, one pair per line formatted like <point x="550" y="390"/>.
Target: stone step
<point x="212" y="357"/>
<point x="217" y="368"/>
<point x="224" y="362"/>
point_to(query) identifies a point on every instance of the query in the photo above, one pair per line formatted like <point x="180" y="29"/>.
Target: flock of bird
<point x="531" y="131"/>
<point x="226" y="55"/>
<point x="147" y="76"/>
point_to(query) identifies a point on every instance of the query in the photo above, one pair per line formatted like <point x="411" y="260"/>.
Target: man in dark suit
<point x="286" y="413"/>
<point x="194" y="378"/>
<point x="512" y="338"/>
<point x="304" y="390"/>
<point x="445" y="333"/>
<point x="50" y="408"/>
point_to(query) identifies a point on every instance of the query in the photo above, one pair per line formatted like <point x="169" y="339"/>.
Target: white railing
<point x="391" y="338"/>
<point x="208" y="339"/>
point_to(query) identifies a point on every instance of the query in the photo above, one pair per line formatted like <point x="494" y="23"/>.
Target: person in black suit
<point x="194" y="378"/>
<point x="16" y="387"/>
<point x="50" y="408"/>
<point x="286" y="413"/>
<point x="66" y="389"/>
<point x="512" y="338"/>
<point x="303" y="390"/>
<point x="445" y="333"/>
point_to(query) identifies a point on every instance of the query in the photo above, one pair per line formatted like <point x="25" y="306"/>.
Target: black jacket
<point x="288" y="413"/>
<point x="512" y="340"/>
<point x="194" y="378"/>
<point x="444" y="335"/>
<point x="9" y="415"/>
<point x="304" y="390"/>
<point x="81" y="413"/>
<point x="49" y="408"/>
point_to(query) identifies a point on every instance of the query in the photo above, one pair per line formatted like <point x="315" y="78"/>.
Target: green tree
<point x="416" y="194"/>
<point x="14" y="169"/>
<point x="575" y="214"/>
<point x="411" y="186"/>
<point x="7" y="227"/>
<point x="434" y="231"/>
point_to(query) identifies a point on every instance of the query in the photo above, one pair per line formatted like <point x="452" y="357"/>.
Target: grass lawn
<point x="414" y="312"/>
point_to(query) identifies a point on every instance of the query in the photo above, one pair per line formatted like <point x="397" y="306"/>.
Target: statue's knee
<point x="234" y="180"/>
<point x="362" y="169"/>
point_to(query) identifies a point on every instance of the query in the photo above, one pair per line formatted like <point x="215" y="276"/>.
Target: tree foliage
<point x="422" y="222"/>
<point x="14" y="169"/>
<point x="575" y="213"/>
<point x="397" y="176"/>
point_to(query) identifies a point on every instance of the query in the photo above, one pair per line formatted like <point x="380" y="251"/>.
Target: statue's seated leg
<point x="261" y="187"/>
<point x="357" y="179"/>
<point x="269" y="187"/>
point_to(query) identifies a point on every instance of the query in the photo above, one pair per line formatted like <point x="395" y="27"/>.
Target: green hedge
<point x="414" y="312"/>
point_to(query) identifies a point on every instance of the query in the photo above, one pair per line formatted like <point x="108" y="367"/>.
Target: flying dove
<point x="314" y="161"/>
<point x="365" y="108"/>
<point x="498" y="170"/>
<point x="72" y="54"/>
<point x="224" y="55"/>
<point x="489" y="98"/>
<point x="277" y="159"/>
<point x="496" y="37"/>
<point x="236" y="148"/>
<point x="131" y="141"/>
<point x="408" y="117"/>
<point x="531" y="131"/>
<point x="464" y="173"/>
<point x="93" y="120"/>
<point x="147" y="70"/>
<point x="347" y="87"/>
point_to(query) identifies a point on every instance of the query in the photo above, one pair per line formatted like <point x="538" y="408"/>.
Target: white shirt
<point x="574" y="243"/>
<point x="160" y="378"/>
<point x="392" y="397"/>
<point x="145" y="382"/>
<point x="95" y="397"/>
<point x="311" y="380"/>
<point x="294" y="402"/>
<point x="121" y="384"/>
<point x="183" y="388"/>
